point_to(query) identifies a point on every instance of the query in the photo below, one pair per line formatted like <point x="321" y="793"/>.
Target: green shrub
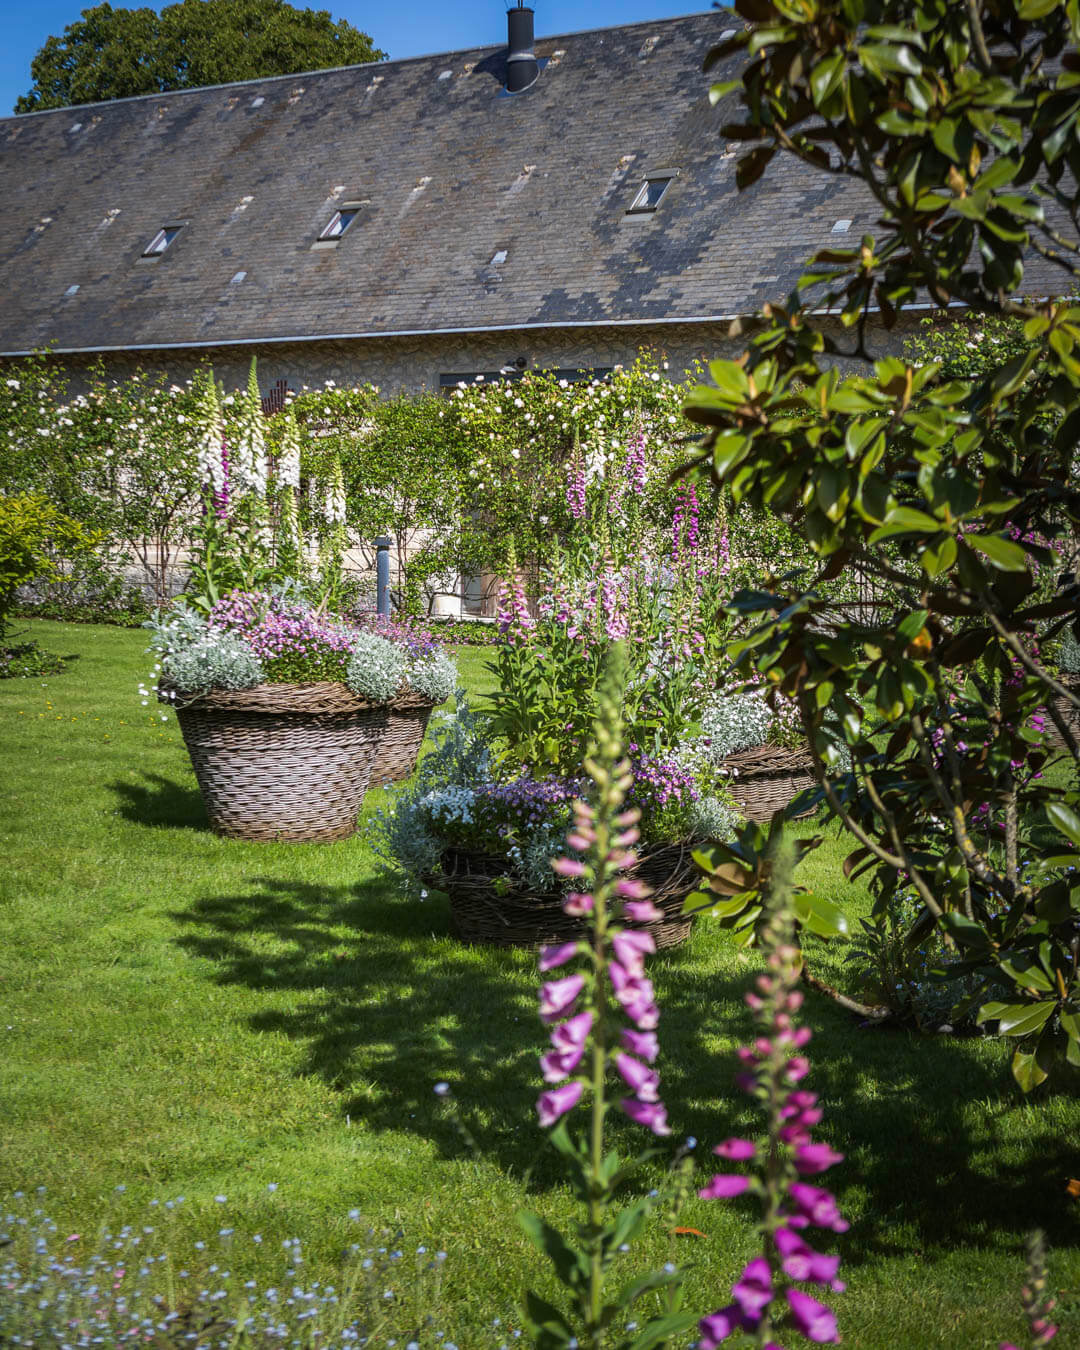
<point x="32" y="533"/>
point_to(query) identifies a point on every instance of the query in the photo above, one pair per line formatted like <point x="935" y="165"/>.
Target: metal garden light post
<point x="382" y="576"/>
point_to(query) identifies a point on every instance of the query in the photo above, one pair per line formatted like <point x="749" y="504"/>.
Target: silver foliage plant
<point x="406" y="836"/>
<point x="216" y="660"/>
<point x="714" y="818"/>
<point x="376" y="668"/>
<point x="173" y="629"/>
<point x="434" y="677"/>
<point x="1069" y="654"/>
<point x="733" y="722"/>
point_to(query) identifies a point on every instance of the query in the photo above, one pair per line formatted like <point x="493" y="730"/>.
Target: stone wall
<point x="414" y="364"/>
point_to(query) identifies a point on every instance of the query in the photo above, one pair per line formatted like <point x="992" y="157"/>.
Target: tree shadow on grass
<point x="941" y="1149"/>
<point x="158" y="800"/>
<point x="386" y="1005"/>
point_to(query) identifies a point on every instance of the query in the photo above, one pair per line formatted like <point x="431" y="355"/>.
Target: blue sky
<point x="402" y="29"/>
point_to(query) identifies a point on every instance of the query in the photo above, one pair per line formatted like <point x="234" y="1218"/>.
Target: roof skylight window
<point x="161" y="241"/>
<point x="650" y="194"/>
<point x="339" y="223"/>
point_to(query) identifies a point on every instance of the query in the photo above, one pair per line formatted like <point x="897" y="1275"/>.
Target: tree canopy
<point x="116" y="53"/>
<point x="949" y="479"/>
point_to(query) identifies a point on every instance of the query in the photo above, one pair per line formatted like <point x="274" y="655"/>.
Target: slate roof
<point x="451" y="171"/>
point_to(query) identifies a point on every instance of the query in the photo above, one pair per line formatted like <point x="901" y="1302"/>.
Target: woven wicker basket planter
<point x="1069" y="714"/>
<point x="282" y="761"/>
<point x="406" y="727"/>
<point x="765" y="779"/>
<point x="488" y="906"/>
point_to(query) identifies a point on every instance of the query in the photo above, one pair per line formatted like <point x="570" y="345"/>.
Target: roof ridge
<point x="362" y="65"/>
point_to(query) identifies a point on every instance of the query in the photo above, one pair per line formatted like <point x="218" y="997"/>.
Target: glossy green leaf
<point x="1005" y="554"/>
<point x="1064" y="820"/>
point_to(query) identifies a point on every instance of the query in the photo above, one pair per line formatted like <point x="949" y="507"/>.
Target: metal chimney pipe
<point x="522" y="67"/>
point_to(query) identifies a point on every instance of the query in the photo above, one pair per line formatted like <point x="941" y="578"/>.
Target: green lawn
<point x="186" y="1015"/>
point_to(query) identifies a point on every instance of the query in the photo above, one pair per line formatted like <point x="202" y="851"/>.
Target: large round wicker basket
<point x="765" y="779"/>
<point x="281" y="761"/>
<point x="406" y="727"/>
<point x="490" y="906"/>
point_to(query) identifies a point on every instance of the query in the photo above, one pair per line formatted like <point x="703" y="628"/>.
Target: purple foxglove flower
<point x="629" y="817"/>
<point x="551" y="1105"/>
<point x="738" y="1150"/>
<point x="622" y="859"/>
<point x="653" y="1115"/>
<point x="801" y="1262"/>
<point x="628" y="982"/>
<point x="641" y="1011"/>
<point x="813" y="1319"/>
<point x="628" y="836"/>
<point x="642" y="911"/>
<point x="559" y="1064"/>
<point x="723" y="1187"/>
<point x="572" y="1033"/>
<point x="816" y="1206"/>
<point x="579" y="841"/>
<point x="753" y="1290"/>
<point x="631" y="947"/>
<point x="813" y="1158"/>
<point x="557" y="996"/>
<point x="797" y="1068"/>
<point x="643" y="1082"/>
<point x="643" y="1043"/>
<point x="568" y="867"/>
<point x="557" y="955"/>
<point x="631" y="888"/>
<point x="718" y="1326"/>
<point x="578" y="903"/>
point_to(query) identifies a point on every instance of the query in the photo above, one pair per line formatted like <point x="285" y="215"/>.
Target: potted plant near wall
<point x="283" y="709"/>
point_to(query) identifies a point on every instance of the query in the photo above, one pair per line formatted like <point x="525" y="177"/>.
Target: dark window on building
<point x="339" y="222"/>
<point x="650" y="194"/>
<point x="161" y="241"/>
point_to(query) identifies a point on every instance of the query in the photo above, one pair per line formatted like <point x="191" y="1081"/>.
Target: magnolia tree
<point x="962" y="121"/>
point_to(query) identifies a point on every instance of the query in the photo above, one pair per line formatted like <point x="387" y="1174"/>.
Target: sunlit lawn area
<point x="185" y="1015"/>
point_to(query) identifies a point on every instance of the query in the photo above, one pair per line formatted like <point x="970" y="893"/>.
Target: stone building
<point x="553" y="204"/>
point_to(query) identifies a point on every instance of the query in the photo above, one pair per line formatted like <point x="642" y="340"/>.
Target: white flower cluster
<point x="249" y="457"/>
<point x="211" y="440"/>
<point x="334" y="506"/>
<point x="288" y="465"/>
<point x="217" y="660"/>
<point x="434" y="677"/>
<point x="376" y="668"/>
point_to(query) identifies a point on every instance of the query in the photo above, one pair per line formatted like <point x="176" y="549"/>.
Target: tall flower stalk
<point x="602" y="1019"/>
<point x="766" y="1299"/>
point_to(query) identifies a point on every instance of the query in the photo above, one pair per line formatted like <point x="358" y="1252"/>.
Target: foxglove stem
<point x="764" y="1296"/>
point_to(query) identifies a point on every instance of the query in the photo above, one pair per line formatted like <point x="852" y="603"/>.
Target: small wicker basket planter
<point x="282" y="761"/>
<point x="406" y="728"/>
<point x="490" y="907"/>
<point x="765" y="779"/>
